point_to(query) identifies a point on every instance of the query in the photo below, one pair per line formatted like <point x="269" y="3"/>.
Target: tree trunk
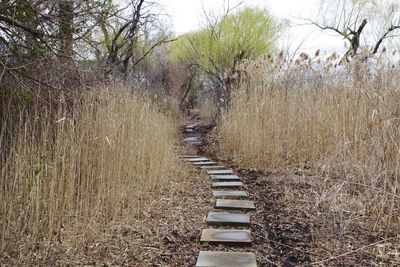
<point x="66" y="28"/>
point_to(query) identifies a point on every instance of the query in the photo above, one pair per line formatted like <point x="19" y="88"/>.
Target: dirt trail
<point x="292" y="233"/>
<point x="280" y="237"/>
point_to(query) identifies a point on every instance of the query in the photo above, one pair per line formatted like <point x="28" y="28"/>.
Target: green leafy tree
<point x="214" y="51"/>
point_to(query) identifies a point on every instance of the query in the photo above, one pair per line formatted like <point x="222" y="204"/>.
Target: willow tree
<point x="212" y="53"/>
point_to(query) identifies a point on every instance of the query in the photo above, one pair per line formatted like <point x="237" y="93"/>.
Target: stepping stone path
<point x="233" y="199"/>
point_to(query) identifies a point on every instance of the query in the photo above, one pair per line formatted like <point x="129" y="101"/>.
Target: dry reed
<point x="342" y="119"/>
<point x="80" y="170"/>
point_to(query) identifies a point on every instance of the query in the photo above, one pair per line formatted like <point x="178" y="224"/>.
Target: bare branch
<point x="326" y="27"/>
<point x="384" y="36"/>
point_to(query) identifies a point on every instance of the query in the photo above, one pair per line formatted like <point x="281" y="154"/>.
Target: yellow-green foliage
<point x="246" y="34"/>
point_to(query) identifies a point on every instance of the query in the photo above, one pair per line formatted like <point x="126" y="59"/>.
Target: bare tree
<point x="124" y="29"/>
<point x="58" y="37"/>
<point x="38" y="36"/>
<point x="349" y="20"/>
<point x="66" y="25"/>
<point x="388" y="24"/>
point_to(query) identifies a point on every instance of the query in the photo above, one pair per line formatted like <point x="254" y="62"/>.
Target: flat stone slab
<point x="225" y="180"/>
<point x="221" y="176"/>
<point x="234" y="204"/>
<point x="226" y="259"/>
<point x="227" y="184"/>
<point x="229" y="194"/>
<point x="231" y="236"/>
<point x="192" y="139"/>
<point x="214" y="172"/>
<point x="197" y="159"/>
<point x="212" y="167"/>
<point x="227" y="177"/>
<point x="229" y="219"/>
<point x="195" y="143"/>
<point x="205" y="163"/>
<point x="190" y="156"/>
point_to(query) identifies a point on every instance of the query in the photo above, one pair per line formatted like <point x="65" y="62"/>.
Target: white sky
<point x="187" y="15"/>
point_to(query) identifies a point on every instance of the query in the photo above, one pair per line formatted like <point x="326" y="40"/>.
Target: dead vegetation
<point x="68" y="176"/>
<point x="337" y="119"/>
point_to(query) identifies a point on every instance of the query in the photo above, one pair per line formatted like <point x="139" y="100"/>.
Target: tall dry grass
<point x="342" y="119"/>
<point x="80" y="170"/>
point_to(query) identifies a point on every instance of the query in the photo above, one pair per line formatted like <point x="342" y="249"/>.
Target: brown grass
<point x="67" y="177"/>
<point x="341" y="119"/>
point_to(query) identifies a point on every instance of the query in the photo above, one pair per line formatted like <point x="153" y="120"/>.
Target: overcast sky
<point x="187" y="15"/>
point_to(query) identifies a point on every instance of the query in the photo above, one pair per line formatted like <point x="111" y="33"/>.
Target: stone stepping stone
<point x="197" y="159"/>
<point x="224" y="176"/>
<point x="205" y="163"/>
<point x="192" y="139"/>
<point x="212" y="167"/>
<point x="227" y="184"/>
<point x="197" y="143"/>
<point x="190" y="157"/>
<point x="226" y="259"/>
<point x="221" y="178"/>
<point x="213" y="172"/>
<point x="229" y="219"/>
<point x="234" y="204"/>
<point x="231" y="236"/>
<point x="229" y="194"/>
<point x="225" y="180"/>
